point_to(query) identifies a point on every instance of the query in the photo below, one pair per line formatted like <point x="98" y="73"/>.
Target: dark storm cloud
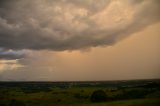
<point x="71" y="24"/>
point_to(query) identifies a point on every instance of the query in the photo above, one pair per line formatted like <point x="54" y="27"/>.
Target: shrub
<point x="98" y="96"/>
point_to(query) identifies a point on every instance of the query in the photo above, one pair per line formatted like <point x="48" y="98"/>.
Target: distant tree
<point x="98" y="96"/>
<point x="59" y="100"/>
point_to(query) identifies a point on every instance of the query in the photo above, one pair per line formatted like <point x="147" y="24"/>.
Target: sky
<point x="79" y="40"/>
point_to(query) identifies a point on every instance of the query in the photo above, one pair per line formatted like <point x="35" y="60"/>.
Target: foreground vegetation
<point x="135" y="102"/>
<point x="115" y="93"/>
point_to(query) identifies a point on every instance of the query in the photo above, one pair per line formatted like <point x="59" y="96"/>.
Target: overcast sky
<point x="64" y="40"/>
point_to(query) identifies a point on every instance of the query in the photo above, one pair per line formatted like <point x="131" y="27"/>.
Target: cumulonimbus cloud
<point x="72" y="24"/>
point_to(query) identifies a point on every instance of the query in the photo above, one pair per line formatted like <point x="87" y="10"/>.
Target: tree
<point x="98" y="96"/>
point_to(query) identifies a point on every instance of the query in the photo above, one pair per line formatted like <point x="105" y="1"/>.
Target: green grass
<point x="76" y="96"/>
<point x="136" y="102"/>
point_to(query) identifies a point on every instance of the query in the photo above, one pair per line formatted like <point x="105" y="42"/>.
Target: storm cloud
<point x="72" y="24"/>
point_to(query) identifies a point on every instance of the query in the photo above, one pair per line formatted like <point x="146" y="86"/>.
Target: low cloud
<point x="7" y="65"/>
<point x="10" y="59"/>
<point x="11" y="54"/>
<point x="71" y="24"/>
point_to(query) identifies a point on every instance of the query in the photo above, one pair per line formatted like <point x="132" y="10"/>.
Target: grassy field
<point x="135" y="102"/>
<point x="78" y="94"/>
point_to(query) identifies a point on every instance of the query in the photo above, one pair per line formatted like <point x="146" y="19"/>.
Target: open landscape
<point x="118" y="93"/>
<point x="79" y="52"/>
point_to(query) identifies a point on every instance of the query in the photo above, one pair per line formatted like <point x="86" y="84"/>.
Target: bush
<point x="98" y="96"/>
